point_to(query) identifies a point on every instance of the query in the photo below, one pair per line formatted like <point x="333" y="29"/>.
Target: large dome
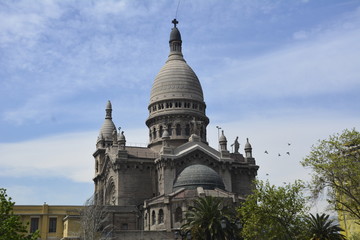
<point x="176" y="100"/>
<point x="198" y="176"/>
<point x="176" y="80"/>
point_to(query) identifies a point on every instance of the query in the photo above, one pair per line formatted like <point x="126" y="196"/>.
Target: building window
<point x="161" y="131"/>
<point x="169" y="129"/>
<point x="153" y="218"/>
<point x="34" y="225"/>
<point x="187" y="130"/>
<point x="52" y="224"/>
<point x="161" y="216"/>
<point x="178" y="214"/>
<point x="154" y="133"/>
<point x="124" y="226"/>
<point x="178" y="129"/>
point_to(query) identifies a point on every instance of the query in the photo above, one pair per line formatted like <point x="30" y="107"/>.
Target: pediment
<point x="191" y="147"/>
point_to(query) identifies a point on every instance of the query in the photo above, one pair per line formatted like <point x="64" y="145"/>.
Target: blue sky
<point x="273" y="71"/>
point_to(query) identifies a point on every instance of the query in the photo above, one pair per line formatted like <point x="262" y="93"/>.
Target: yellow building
<point x="53" y="222"/>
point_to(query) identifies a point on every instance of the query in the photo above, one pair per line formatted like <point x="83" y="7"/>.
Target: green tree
<point x="10" y="224"/>
<point x="320" y="227"/>
<point x="272" y="212"/>
<point x="335" y="163"/>
<point x="204" y="220"/>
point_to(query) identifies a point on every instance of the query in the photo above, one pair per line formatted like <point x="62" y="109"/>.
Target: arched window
<point x="154" y="133"/>
<point x="178" y="214"/>
<point x="110" y="194"/>
<point x="169" y="129"/>
<point x="153" y="218"/>
<point x="161" y="131"/>
<point x="161" y="216"/>
<point x="178" y="129"/>
<point x="187" y="130"/>
<point x="145" y="219"/>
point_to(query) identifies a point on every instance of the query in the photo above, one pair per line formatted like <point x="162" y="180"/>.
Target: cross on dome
<point x="175" y="22"/>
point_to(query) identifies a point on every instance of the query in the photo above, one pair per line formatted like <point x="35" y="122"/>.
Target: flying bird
<point x="289" y="144"/>
<point x="279" y="154"/>
<point x="266" y="152"/>
<point x="288" y="153"/>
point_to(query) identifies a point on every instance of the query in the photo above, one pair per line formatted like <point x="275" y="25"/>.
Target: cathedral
<point x="150" y="188"/>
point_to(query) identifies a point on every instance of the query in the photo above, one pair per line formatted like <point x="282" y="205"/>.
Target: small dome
<point x="247" y="144"/>
<point x="222" y="137"/>
<point x="107" y="129"/>
<point x="175" y="35"/>
<point x="108" y="105"/>
<point x="198" y="176"/>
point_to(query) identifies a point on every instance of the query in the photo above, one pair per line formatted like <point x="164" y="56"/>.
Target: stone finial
<point x="248" y="149"/>
<point x="108" y="110"/>
<point x="223" y="141"/>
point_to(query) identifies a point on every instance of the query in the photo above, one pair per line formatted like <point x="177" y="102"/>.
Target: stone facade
<point x="150" y="188"/>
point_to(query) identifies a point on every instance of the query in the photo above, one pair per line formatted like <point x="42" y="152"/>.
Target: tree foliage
<point x="10" y="225"/>
<point x="320" y="227"/>
<point x="335" y="163"/>
<point x="272" y="212"/>
<point x="204" y="219"/>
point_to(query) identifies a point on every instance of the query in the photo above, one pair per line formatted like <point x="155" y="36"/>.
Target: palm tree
<point x="321" y="228"/>
<point x="204" y="220"/>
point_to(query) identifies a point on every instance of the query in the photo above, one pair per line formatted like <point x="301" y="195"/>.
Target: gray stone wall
<point x="135" y="184"/>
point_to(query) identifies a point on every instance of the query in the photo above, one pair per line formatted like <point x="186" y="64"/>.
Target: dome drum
<point x="177" y="105"/>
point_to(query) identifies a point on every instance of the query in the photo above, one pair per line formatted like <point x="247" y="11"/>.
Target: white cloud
<point x="274" y="134"/>
<point x="70" y="155"/>
<point x="24" y="21"/>
<point x="300" y="35"/>
<point x="325" y="65"/>
<point x="65" y="155"/>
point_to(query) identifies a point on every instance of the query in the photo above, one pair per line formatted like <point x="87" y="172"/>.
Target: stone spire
<point x="248" y="149"/>
<point x="223" y="146"/>
<point x="108" y="110"/>
<point x="108" y="129"/>
<point x="223" y="141"/>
